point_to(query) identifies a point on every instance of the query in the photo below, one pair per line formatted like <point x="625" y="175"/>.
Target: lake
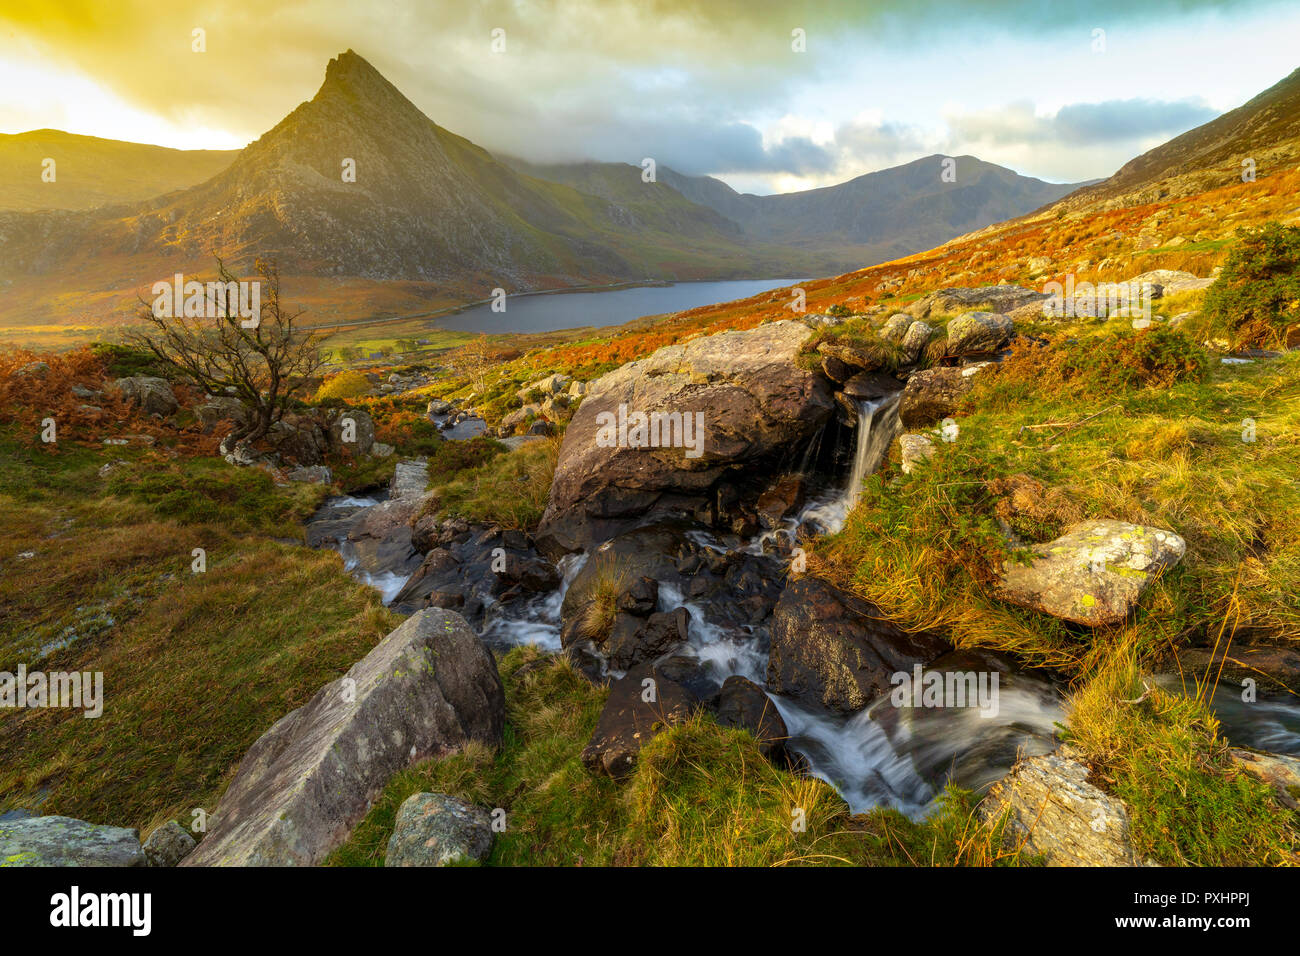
<point x="570" y="310"/>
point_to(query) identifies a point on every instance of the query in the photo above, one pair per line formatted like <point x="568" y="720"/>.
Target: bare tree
<point x="473" y="359"/>
<point x="263" y="360"/>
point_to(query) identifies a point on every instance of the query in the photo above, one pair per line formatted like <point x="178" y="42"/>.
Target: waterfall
<point x="877" y="419"/>
<point x="877" y="422"/>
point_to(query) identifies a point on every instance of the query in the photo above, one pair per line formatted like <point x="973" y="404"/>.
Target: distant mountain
<point x="90" y="172"/>
<point x="889" y="213"/>
<point x="426" y="204"/>
<point x="1266" y="130"/>
<point x="429" y="206"/>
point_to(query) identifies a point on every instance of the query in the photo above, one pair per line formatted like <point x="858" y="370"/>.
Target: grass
<point x="927" y="548"/>
<point x="509" y="490"/>
<point x="196" y="665"/>
<point x="701" y="795"/>
<point x="1162" y="755"/>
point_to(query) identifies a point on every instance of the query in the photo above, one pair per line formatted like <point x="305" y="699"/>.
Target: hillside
<point x="1266" y="129"/>
<point x="889" y="213"/>
<point x="91" y="172"/>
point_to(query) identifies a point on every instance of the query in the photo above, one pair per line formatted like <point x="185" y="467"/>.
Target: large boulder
<point x="63" y="841"/>
<point x="932" y="395"/>
<point x="1049" y="809"/>
<point x="220" y="408"/>
<point x="434" y="829"/>
<point x="835" y="650"/>
<point x="977" y="332"/>
<point x="1094" y="574"/>
<point x="993" y="298"/>
<point x="428" y="688"/>
<point x="352" y="430"/>
<point x="640" y="706"/>
<point x="754" y="401"/>
<point x="152" y="394"/>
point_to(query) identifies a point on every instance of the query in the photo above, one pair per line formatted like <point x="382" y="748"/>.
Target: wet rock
<point x="64" y="841"/>
<point x="1051" y="810"/>
<point x="785" y="497"/>
<point x="434" y="829"/>
<point x="743" y="704"/>
<point x="648" y="639"/>
<point x="434" y="571"/>
<point x="755" y="402"/>
<point x="833" y="649"/>
<point x="153" y="395"/>
<point x="1094" y="574"/>
<point x="428" y="687"/>
<point x="1272" y="668"/>
<point x="640" y="706"/>
<point x="641" y="597"/>
<point x="168" y="845"/>
<point x="932" y="395"/>
<point x="528" y="572"/>
<point x="866" y="385"/>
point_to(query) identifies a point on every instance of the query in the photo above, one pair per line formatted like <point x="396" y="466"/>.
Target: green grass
<point x="1163" y="757"/>
<point x="701" y="795"/>
<point x="926" y="547"/>
<point x="508" y="489"/>
<point x="196" y="665"/>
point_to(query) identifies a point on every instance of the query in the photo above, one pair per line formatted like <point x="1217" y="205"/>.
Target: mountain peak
<point x="351" y="74"/>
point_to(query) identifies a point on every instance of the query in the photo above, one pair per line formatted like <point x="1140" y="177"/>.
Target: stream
<point x="881" y="756"/>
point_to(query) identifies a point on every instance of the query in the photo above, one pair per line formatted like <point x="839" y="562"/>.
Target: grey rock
<point x="434" y="829"/>
<point x="64" y="841"/>
<point x="1051" y="810"/>
<point x="168" y="845"/>
<point x="1095" y="573"/>
<point x="977" y="332"/>
<point x="152" y="394"/>
<point x="427" y="688"/>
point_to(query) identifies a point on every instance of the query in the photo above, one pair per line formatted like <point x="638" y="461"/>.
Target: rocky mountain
<point x="89" y="171"/>
<point x="358" y="182"/>
<point x="875" y="217"/>
<point x="1265" y="130"/>
<point x="889" y="213"/>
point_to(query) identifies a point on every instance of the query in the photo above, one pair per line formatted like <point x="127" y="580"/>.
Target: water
<point x="570" y="310"/>
<point x="903" y="757"/>
<point x="538" y="621"/>
<point x="1270" y="724"/>
<point x="877" y="423"/>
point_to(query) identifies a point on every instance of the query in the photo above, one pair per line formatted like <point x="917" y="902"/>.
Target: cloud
<point x="1080" y="123"/>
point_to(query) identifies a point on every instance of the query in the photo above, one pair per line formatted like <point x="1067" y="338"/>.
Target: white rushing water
<point x="877" y="423"/>
<point x="537" y="621"/>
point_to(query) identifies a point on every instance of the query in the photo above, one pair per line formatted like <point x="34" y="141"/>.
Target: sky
<point x="768" y="96"/>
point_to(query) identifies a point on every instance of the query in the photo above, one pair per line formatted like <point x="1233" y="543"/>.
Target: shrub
<point x="1256" y="299"/>
<point x="347" y="384"/>
<point x="1157" y="358"/>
